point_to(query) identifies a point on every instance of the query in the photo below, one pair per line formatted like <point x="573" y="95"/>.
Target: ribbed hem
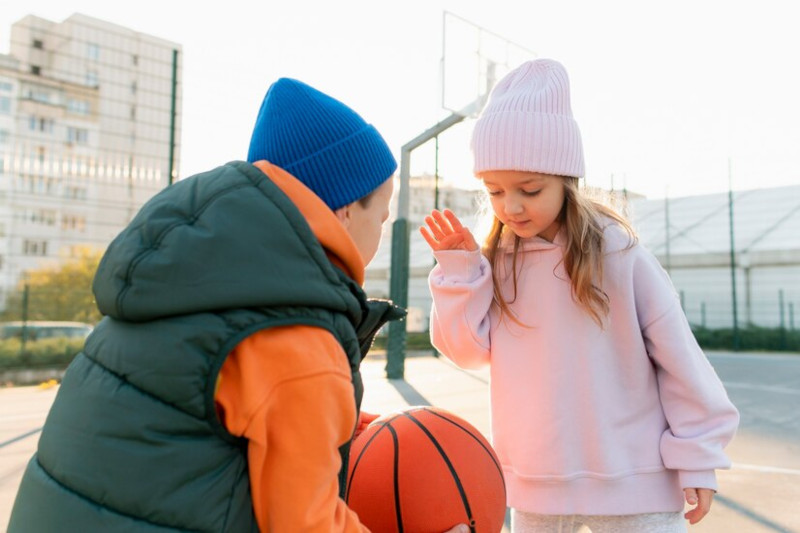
<point x="699" y="479"/>
<point x="459" y="266"/>
<point x="348" y="170"/>
<point x="657" y="492"/>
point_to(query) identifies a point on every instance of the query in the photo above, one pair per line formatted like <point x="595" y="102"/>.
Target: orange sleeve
<point x="288" y="391"/>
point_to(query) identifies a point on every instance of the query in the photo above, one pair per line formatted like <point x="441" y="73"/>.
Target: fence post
<point x="24" y="332"/>
<point x="733" y="261"/>
<point x="399" y="269"/>
<point x="783" y="321"/>
<point x="703" y="314"/>
<point x="398" y="288"/>
<point x="666" y="234"/>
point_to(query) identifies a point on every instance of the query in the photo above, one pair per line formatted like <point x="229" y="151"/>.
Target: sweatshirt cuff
<point x="698" y="479"/>
<point x="459" y="266"/>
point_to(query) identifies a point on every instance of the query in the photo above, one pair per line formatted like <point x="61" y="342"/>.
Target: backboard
<point x="473" y="60"/>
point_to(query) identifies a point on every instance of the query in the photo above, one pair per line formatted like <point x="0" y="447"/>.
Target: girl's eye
<point x="493" y="193"/>
<point x="531" y="193"/>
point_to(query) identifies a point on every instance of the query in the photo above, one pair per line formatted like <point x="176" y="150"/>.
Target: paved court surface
<point x="760" y="494"/>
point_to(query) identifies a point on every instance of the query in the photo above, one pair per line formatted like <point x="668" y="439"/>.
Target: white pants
<point x="522" y="522"/>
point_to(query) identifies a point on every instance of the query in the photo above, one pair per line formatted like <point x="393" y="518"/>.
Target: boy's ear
<point x="343" y="214"/>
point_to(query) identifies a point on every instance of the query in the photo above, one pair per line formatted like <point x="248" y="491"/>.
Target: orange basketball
<point x="424" y="469"/>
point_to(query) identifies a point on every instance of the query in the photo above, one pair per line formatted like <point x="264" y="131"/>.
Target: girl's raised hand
<point x="445" y="232"/>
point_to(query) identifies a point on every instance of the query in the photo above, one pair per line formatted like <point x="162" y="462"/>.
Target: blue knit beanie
<point x="321" y="142"/>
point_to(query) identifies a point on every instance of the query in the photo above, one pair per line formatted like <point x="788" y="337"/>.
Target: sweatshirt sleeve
<point x="702" y="420"/>
<point x="295" y="410"/>
<point x="462" y="291"/>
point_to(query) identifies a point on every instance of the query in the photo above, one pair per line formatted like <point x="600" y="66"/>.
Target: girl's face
<point x="527" y="202"/>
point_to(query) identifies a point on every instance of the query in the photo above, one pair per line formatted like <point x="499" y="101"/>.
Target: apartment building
<point x="90" y="128"/>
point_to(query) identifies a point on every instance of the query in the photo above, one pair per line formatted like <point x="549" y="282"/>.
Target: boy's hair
<point x="583" y="220"/>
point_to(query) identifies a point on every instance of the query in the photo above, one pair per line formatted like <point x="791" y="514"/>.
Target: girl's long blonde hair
<point x="582" y="220"/>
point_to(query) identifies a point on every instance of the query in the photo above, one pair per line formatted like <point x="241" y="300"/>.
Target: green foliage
<point x="750" y="338"/>
<point x="415" y="340"/>
<point x="60" y="291"/>
<point x="46" y="353"/>
<point x="59" y="352"/>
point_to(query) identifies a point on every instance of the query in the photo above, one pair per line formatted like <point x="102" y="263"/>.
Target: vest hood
<point x="224" y="239"/>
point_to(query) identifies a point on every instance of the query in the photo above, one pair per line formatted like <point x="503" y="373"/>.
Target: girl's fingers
<point x="434" y="228"/>
<point x="453" y="220"/>
<point x="445" y="232"/>
<point x="433" y="243"/>
<point x="443" y="223"/>
<point x="701" y="500"/>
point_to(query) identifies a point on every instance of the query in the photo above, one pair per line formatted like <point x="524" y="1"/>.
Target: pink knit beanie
<point x="528" y="124"/>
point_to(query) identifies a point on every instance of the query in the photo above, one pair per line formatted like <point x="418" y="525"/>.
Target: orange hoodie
<point x="296" y="409"/>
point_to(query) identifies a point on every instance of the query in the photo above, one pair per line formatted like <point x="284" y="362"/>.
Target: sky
<point x="672" y="98"/>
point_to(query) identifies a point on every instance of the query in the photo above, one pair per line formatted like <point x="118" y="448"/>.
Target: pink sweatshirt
<point x="587" y="420"/>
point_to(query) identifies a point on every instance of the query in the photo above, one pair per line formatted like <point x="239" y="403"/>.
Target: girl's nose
<point x="513" y="206"/>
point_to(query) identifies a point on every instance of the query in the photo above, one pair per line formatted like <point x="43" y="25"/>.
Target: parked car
<point x="44" y="329"/>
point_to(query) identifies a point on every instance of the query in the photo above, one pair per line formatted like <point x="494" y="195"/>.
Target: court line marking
<point x="762" y="388"/>
<point x="766" y="469"/>
<point x="20" y="437"/>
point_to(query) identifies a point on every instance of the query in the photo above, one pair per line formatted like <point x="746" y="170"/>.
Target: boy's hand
<point x="364" y="419"/>
<point x="701" y="499"/>
<point x="445" y="232"/>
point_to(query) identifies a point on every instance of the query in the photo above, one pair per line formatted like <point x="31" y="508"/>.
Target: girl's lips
<point x="515" y="224"/>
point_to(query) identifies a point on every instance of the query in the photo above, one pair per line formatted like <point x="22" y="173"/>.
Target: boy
<point x="222" y="389"/>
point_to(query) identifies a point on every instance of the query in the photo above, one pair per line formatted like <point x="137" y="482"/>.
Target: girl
<point x="605" y="412"/>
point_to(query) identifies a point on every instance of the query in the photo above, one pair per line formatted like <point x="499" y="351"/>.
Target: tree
<point x="61" y="291"/>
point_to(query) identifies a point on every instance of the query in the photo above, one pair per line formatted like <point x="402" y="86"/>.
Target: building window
<point x="73" y="222"/>
<point x="5" y="105"/>
<point x="44" y="125"/>
<point x="133" y="112"/>
<point x="91" y="78"/>
<point x="39" y="96"/>
<point x="35" y="185"/>
<point x="133" y="87"/>
<point x="4" y="136"/>
<point x="79" y="107"/>
<point x="6" y="86"/>
<point x="93" y="51"/>
<point x="34" y="247"/>
<point x="77" y="135"/>
<point x="36" y="70"/>
<point x="75" y="193"/>
<point x="38" y="44"/>
<point x="43" y="217"/>
<point x="135" y="60"/>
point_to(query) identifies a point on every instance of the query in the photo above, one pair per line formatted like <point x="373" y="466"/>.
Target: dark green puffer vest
<point x="132" y="442"/>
